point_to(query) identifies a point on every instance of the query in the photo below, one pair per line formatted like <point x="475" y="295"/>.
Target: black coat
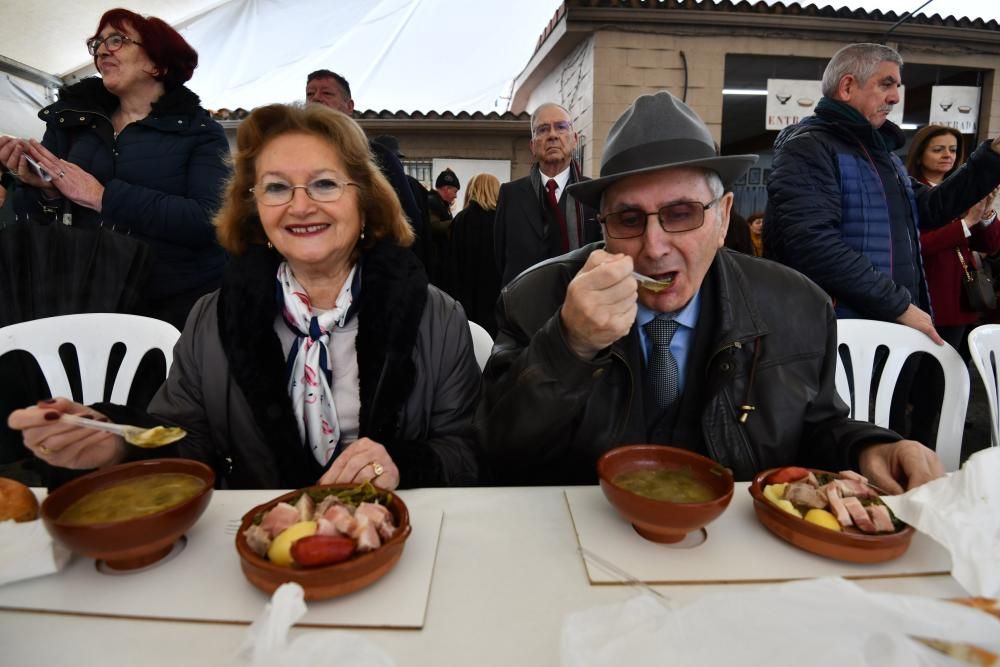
<point x="418" y="379"/>
<point x="526" y="232"/>
<point x="474" y="280"/>
<point x="163" y="178"/>
<point x="547" y="415"/>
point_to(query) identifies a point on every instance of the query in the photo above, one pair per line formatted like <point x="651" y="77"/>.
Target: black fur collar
<point x="393" y="296"/>
<point x="90" y="95"/>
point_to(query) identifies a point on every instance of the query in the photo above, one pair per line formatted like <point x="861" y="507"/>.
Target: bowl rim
<point x="819" y="532"/>
<point x="207" y="475"/>
<point x="248" y="554"/>
<point x="624" y="449"/>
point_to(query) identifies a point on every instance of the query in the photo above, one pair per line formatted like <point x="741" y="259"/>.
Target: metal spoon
<point x="652" y="284"/>
<point x="146" y="438"/>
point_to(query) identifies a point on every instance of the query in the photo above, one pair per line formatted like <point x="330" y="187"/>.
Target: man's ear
<point x="848" y="84"/>
<point x="725" y="208"/>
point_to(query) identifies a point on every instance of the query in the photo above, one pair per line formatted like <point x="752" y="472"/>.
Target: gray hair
<point x="543" y="107"/>
<point x="858" y="60"/>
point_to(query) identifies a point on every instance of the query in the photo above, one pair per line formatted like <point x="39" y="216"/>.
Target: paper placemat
<point x="738" y="549"/>
<point x="204" y="581"/>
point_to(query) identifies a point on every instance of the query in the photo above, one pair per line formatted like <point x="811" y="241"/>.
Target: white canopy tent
<point x="440" y="55"/>
<point x="426" y="55"/>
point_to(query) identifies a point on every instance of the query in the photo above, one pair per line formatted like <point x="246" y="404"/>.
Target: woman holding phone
<point x="133" y="151"/>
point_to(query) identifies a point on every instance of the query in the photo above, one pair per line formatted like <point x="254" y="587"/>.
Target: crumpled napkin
<point x="27" y="550"/>
<point x="821" y="623"/>
<point x="266" y="641"/>
<point x="961" y="511"/>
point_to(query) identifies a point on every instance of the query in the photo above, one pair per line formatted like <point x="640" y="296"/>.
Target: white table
<point x="507" y="573"/>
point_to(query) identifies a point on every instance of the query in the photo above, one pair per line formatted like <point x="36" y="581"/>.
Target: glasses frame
<point x="538" y="131"/>
<point x="292" y="188"/>
<point x="94" y="43"/>
<point x="603" y="219"/>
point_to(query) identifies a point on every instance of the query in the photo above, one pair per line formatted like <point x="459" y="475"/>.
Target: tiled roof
<point x="777" y="9"/>
<point x="385" y="114"/>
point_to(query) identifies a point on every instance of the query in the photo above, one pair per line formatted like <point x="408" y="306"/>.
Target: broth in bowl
<point x="133" y="498"/>
<point x="669" y="485"/>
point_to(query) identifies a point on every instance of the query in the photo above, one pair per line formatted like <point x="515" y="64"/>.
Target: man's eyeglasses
<point x="112" y="43"/>
<point x="674" y="218"/>
<point x="560" y="126"/>
<point x="276" y="193"/>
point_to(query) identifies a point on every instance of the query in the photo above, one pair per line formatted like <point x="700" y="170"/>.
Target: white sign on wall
<point x="791" y="100"/>
<point x="955" y="106"/>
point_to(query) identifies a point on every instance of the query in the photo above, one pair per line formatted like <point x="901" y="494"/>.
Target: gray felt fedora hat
<point x="656" y="132"/>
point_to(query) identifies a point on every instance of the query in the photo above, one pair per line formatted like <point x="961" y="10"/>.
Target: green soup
<point x="133" y="498"/>
<point x="673" y="486"/>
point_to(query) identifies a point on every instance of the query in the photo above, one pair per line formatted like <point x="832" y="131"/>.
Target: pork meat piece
<point x="837" y="505"/>
<point x="257" y="539"/>
<point x="325" y="527"/>
<point x="859" y="515"/>
<point x="803" y="493"/>
<point x="380" y="516"/>
<point x="305" y="507"/>
<point x="326" y="504"/>
<point x="341" y="518"/>
<point x="850" y="474"/>
<point x="852" y="487"/>
<point x="365" y="534"/>
<point x="879" y="515"/>
<point x="279" y="517"/>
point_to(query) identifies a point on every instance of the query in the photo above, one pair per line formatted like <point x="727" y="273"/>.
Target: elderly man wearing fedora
<point x="724" y="354"/>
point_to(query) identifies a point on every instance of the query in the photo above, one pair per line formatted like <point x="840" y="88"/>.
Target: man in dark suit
<point x="535" y="220"/>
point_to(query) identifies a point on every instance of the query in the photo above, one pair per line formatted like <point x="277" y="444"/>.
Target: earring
<point x="269" y="246"/>
<point x="362" y="233"/>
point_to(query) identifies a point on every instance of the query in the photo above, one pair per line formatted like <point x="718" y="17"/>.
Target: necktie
<point x="550" y="198"/>
<point x="662" y="368"/>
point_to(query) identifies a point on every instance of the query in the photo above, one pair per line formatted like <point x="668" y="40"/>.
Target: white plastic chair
<point x="482" y="343"/>
<point x="984" y="346"/>
<point x="862" y="338"/>
<point x="93" y="335"/>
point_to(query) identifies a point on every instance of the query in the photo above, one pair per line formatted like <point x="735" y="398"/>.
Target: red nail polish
<point x="51" y="416"/>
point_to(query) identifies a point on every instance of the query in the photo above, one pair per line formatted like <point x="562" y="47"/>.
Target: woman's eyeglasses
<point x="112" y="43"/>
<point x="277" y="193"/>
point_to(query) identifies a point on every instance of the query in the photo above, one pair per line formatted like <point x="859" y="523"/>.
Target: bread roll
<point x="17" y="502"/>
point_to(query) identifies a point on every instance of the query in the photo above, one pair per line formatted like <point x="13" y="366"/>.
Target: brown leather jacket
<point x="546" y="415"/>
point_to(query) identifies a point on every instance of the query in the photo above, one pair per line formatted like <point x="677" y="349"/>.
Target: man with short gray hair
<point x="535" y="219"/>
<point x="661" y="335"/>
<point x="842" y="208"/>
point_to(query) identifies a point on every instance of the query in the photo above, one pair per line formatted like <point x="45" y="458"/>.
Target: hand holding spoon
<point x="146" y="438"/>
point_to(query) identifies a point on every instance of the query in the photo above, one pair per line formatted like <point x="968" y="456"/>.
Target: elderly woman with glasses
<point x="133" y="151"/>
<point x="325" y="356"/>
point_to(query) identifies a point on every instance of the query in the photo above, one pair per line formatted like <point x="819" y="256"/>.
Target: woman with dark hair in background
<point x="474" y="279"/>
<point x="935" y="153"/>
<point x="133" y="151"/>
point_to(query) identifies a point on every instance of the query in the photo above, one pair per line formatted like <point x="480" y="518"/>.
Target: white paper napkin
<point x="266" y="642"/>
<point x="27" y="550"/>
<point x="821" y="623"/>
<point x="961" y="511"/>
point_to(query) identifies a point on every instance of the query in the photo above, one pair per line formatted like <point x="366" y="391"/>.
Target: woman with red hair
<point x="133" y="151"/>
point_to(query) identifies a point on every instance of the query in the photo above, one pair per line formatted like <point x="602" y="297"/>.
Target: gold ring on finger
<point x="43" y="449"/>
<point x="377" y="467"/>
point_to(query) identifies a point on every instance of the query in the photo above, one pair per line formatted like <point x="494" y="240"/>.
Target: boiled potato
<point x="822" y="518"/>
<point x="788" y="507"/>
<point x="280" y="552"/>
<point x="775" y="492"/>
